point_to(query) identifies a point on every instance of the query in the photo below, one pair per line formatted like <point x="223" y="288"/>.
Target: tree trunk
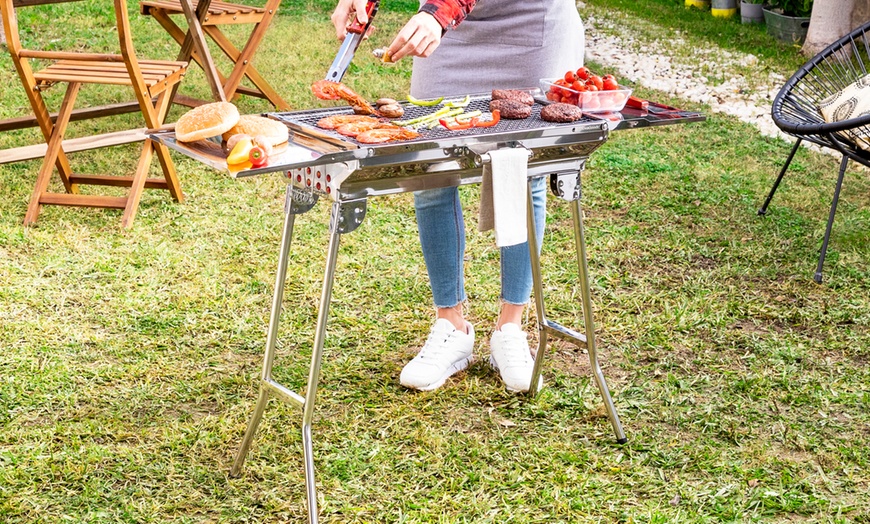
<point x="830" y="20"/>
<point x="861" y="13"/>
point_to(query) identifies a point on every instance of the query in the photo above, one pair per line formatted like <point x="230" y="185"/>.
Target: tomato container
<point x="589" y="101"/>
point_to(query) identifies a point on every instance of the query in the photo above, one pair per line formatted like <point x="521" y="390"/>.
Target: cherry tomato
<point x="578" y="85"/>
<point x="583" y="73"/>
<point x="591" y="87"/>
<point x="591" y="102"/>
<point x="609" y="82"/>
<point x="570" y="77"/>
<point x="596" y="81"/>
<point x="257" y="156"/>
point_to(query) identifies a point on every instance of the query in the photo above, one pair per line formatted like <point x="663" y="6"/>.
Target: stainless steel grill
<point x="347" y="169"/>
<point x="320" y="162"/>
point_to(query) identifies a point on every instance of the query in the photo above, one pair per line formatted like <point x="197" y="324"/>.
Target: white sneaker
<point x="512" y="358"/>
<point x="446" y="351"/>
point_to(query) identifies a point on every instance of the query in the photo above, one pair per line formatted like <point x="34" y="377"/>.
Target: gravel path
<point x="639" y="52"/>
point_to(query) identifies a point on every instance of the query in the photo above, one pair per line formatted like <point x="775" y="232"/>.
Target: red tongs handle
<point x="371" y="9"/>
<point x="637" y="103"/>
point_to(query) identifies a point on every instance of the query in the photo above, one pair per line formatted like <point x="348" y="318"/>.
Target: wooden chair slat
<point x="72" y="145"/>
<point x="66" y="199"/>
<point x="215" y="8"/>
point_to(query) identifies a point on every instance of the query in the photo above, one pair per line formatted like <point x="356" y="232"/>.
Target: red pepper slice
<point x="455" y="125"/>
<point x="496" y="116"/>
<point x="257" y="156"/>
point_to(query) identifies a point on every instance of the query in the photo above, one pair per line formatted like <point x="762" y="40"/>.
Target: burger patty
<point x="513" y="94"/>
<point x="561" y="112"/>
<point x="511" y="109"/>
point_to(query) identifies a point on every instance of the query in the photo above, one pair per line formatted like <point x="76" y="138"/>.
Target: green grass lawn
<point x="130" y="360"/>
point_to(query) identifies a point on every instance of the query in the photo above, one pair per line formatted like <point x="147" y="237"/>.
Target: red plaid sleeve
<point x="449" y="13"/>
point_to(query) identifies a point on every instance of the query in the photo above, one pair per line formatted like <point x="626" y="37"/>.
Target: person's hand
<point x="341" y="17"/>
<point x="420" y="37"/>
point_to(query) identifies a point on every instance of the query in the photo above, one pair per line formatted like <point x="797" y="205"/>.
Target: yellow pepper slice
<point x="425" y="103"/>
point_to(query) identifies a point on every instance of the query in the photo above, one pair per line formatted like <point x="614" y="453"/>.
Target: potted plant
<point x="700" y="4"/>
<point x="723" y="8"/>
<point x="788" y="20"/>
<point x="751" y="12"/>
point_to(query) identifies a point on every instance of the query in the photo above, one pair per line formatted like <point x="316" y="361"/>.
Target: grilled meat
<point x="561" y="112"/>
<point x="513" y="94"/>
<point x="512" y="109"/>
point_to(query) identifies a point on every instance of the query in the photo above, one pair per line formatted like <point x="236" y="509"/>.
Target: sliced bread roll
<point x="273" y="131"/>
<point x="206" y="121"/>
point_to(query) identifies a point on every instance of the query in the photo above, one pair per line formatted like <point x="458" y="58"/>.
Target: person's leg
<point x="449" y="346"/>
<point x="516" y="266"/>
<point x="511" y="354"/>
<point x="442" y="239"/>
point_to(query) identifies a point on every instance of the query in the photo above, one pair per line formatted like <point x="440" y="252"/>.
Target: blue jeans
<point x="442" y="238"/>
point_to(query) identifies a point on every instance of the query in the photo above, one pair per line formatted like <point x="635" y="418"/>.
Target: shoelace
<point x="516" y="353"/>
<point x="437" y="344"/>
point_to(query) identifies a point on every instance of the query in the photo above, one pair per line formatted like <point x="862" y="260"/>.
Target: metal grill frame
<point x="556" y="151"/>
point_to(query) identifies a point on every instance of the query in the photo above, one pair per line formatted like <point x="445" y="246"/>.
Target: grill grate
<point x="309" y="119"/>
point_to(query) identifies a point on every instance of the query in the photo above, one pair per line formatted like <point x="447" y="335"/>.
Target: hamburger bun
<point x="273" y="131"/>
<point x="206" y="121"/>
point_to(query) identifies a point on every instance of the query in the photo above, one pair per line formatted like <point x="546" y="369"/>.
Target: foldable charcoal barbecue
<point x="321" y="163"/>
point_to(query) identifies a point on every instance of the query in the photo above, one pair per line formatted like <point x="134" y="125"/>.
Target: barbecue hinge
<point x="567" y="185"/>
<point x="347" y="216"/>
<point x="298" y="201"/>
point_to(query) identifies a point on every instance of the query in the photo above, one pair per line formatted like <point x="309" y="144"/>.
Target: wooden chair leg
<point x="138" y="184"/>
<point x="243" y="60"/>
<point x="169" y="173"/>
<point x="161" y="107"/>
<point x="55" y="142"/>
<point x="244" y="68"/>
<point x="195" y="40"/>
<point x="44" y="121"/>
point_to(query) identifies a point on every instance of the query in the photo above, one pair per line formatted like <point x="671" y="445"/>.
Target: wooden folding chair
<point x="206" y="16"/>
<point x="148" y="78"/>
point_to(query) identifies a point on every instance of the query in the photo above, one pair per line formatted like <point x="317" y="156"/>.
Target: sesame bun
<point x="259" y="126"/>
<point x="206" y="121"/>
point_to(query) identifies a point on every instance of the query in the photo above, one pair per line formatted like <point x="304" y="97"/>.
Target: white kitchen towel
<point x="509" y="171"/>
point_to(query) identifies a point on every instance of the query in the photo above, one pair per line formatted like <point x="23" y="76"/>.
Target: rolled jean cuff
<point x="438" y="306"/>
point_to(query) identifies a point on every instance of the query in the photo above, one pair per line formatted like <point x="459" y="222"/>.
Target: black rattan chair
<point x="796" y="112"/>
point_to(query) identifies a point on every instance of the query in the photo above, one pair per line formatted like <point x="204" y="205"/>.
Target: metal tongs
<point x="355" y="34"/>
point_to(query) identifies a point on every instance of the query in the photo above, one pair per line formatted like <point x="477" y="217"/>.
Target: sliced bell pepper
<point x="496" y="116"/>
<point x="455" y="125"/>
<point x="464" y="102"/>
<point x="424" y="103"/>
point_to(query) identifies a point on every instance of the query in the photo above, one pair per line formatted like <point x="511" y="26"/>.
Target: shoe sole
<point x="494" y="365"/>
<point x="456" y="367"/>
